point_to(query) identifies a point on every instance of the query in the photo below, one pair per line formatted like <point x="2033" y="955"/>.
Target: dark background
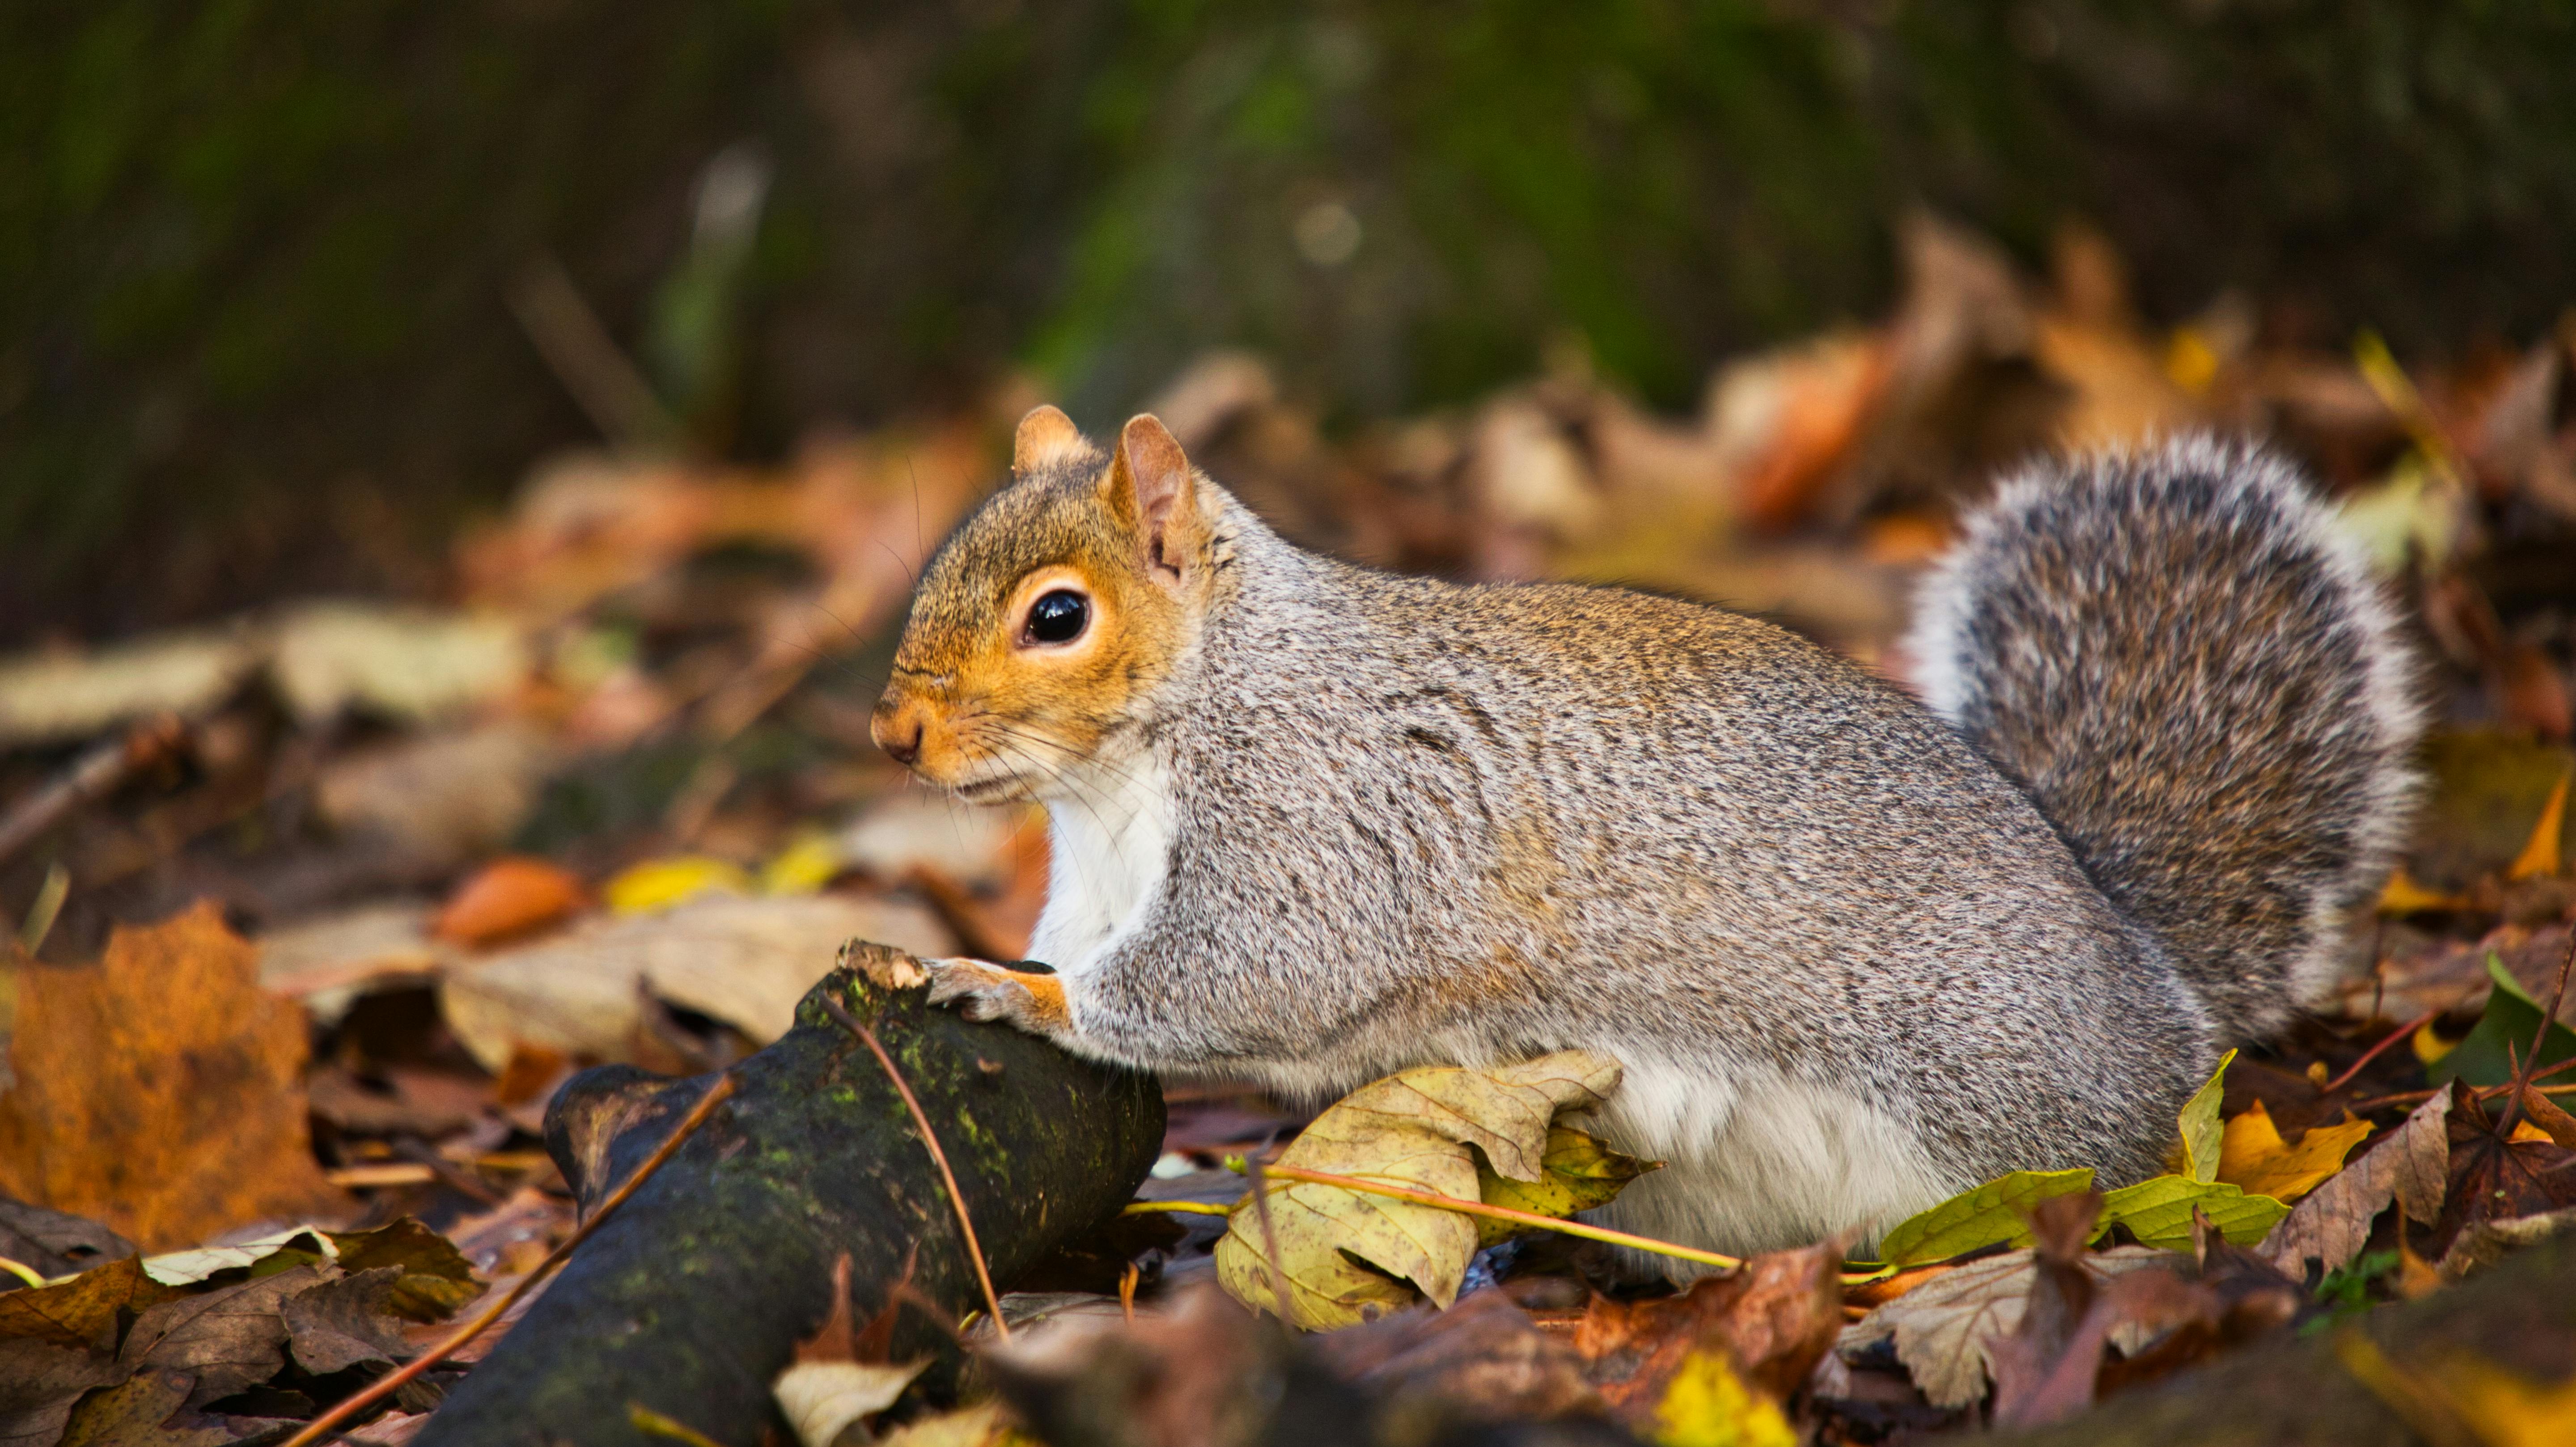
<point x="257" y="260"/>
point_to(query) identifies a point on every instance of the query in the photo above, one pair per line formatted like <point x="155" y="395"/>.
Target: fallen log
<point x="690" y="1299"/>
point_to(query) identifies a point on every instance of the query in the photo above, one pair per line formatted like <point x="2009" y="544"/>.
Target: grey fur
<point x="2198" y="681"/>
<point x="1410" y="821"/>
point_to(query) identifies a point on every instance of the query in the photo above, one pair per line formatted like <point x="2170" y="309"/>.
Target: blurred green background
<point x="270" y="273"/>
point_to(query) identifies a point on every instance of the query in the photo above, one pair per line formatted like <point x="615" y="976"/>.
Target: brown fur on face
<point x="974" y="704"/>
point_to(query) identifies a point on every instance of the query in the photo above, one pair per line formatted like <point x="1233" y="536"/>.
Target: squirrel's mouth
<point x="992" y="789"/>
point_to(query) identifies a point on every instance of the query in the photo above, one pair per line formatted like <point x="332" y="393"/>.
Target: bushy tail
<point x="2202" y="687"/>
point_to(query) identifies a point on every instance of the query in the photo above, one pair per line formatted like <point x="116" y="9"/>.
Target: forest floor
<point x="320" y="905"/>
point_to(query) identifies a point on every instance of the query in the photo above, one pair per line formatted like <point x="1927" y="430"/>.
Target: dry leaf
<point x="1774" y="1318"/>
<point x="412" y="664"/>
<point x="2509" y="1410"/>
<point x="227" y="1339"/>
<point x="146" y="1412"/>
<point x="444" y="797"/>
<point x="659" y="884"/>
<point x="745" y="962"/>
<point x="1709" y="1404"/>
<point x="508" y="897"/>
<point x="327" y="963"/>
<point x="819" y="1399"/>
<point x="2257" y="1159"/>
<point x="2539" y="858"/>
<point x="2410" y="1165"/>
<point x="52" y="697"/>
<point x="160" y="1090"/>
<point x="1485" y="1357"/>
<point x="985" y="1424"/>
<point x="1412" y="1130"/>
<point x="1945" y="1329"/>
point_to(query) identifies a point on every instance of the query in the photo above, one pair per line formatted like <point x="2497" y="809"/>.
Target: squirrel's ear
<point x="1046" y="435"/>
<point x="1149" y="484"/>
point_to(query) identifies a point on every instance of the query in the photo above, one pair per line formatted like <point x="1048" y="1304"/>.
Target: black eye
<point x="1058" y="617"/>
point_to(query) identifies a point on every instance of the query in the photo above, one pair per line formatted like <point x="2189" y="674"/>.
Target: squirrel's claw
<point x="1031" y="1002"/>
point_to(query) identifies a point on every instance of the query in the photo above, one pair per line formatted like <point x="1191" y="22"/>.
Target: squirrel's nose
<point x="898" y="731"/>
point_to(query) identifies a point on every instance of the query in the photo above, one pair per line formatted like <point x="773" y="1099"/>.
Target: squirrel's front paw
<point x="1032" y="1002"/>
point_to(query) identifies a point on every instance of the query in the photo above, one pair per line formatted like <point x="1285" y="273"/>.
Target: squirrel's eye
<point x="1058" y="617"/>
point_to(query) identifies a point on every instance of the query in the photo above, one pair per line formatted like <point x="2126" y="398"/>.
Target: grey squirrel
<point x="1314" y="823"/>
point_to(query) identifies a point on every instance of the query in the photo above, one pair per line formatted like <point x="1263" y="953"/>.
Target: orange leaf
<point x="2256" y="1159"/>
<point x="161" y="1090"/>
<point x="2539" y="858"/>
<point x="508" y="897"/>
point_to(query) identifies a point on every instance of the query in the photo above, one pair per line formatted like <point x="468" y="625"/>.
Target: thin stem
<point x="22" y="1271"/>
<point x="974" y="1250"/>
<point x="1506" y="1213"/>
<point x="2539" y="1039"/>
<point x="328" y="1423"/>
<point x="2367" y="1056"/>
<point x="1180" y="1208"/>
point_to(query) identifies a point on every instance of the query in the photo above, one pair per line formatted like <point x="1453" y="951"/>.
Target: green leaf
<point x="1580" y="1172"/>
<point x="1990" y="1215"/>
<point x="2203" y="1133"/>
<point x="2158" y="1211"/>
<point x="2512" y="1018"/>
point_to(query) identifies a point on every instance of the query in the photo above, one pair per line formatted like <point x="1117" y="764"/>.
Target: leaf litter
<point x="567" y="813"/>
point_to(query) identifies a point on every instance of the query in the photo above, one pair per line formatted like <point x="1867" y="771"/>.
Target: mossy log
<point x="690" y="1299"/>
<point x="2518" y="1317"/>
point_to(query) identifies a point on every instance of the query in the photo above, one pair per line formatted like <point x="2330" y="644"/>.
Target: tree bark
<point x="690" y="1299"/>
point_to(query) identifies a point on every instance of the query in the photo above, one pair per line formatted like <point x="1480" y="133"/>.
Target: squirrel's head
<point x="1046" y="622"/>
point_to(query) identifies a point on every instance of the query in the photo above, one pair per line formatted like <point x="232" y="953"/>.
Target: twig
<point x="2367" y="1056"/>
<point x="644" y="1419"/>
<point x="93" y="775"/>
<point x="328" y="1424"/>
<point x="974" y="1251"/>
<point x="586" y="359"/>
<point x="2539" y="1039"/>
<point x="1504" y="1213"/>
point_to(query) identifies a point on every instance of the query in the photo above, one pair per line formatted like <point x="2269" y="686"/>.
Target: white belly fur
<point x="1756" y="1161"/>
<point x="1110" y="834"/>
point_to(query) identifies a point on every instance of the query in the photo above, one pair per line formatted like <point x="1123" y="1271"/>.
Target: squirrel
<point x="1314" y="823"/>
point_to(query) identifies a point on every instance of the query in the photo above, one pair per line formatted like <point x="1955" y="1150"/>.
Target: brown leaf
<point x="506" y="898"/>
<point x="40" y="1382"/>
<point x="2494" y="1179"/>
<point x="1776" y="1316"/>
<point x="227" y="1339"/>
<point x="2410" y="1165"/>
<point x="2034" y="1385"/>
<point x="1485" y="1357"/>
<point x="148" y="1411"/>
<point x="2544" y="1113"/>
<point x="160" y="1090"/>
<point x="56" y="1243"/>
<point x="84" y="1311"/>
<point x="340" y="1324"/>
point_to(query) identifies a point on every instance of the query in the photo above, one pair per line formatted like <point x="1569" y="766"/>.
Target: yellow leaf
<point x="658" y="884"/>
<point x="1413" y="1129"/>
<point x="2404" y="896"/>
<point x="2524" y="1130"/>
<point x="810" y="861"/>
<point x="2430" y="1047"/>
<point x="1709" y="1405"/>
<point x="2539" y="858"/>
<point x="2201" y="1132"/>
<point x="2509" y="1411"/>
<point x="2256" y="1158"/>
<point x="1581" y="1172"/>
